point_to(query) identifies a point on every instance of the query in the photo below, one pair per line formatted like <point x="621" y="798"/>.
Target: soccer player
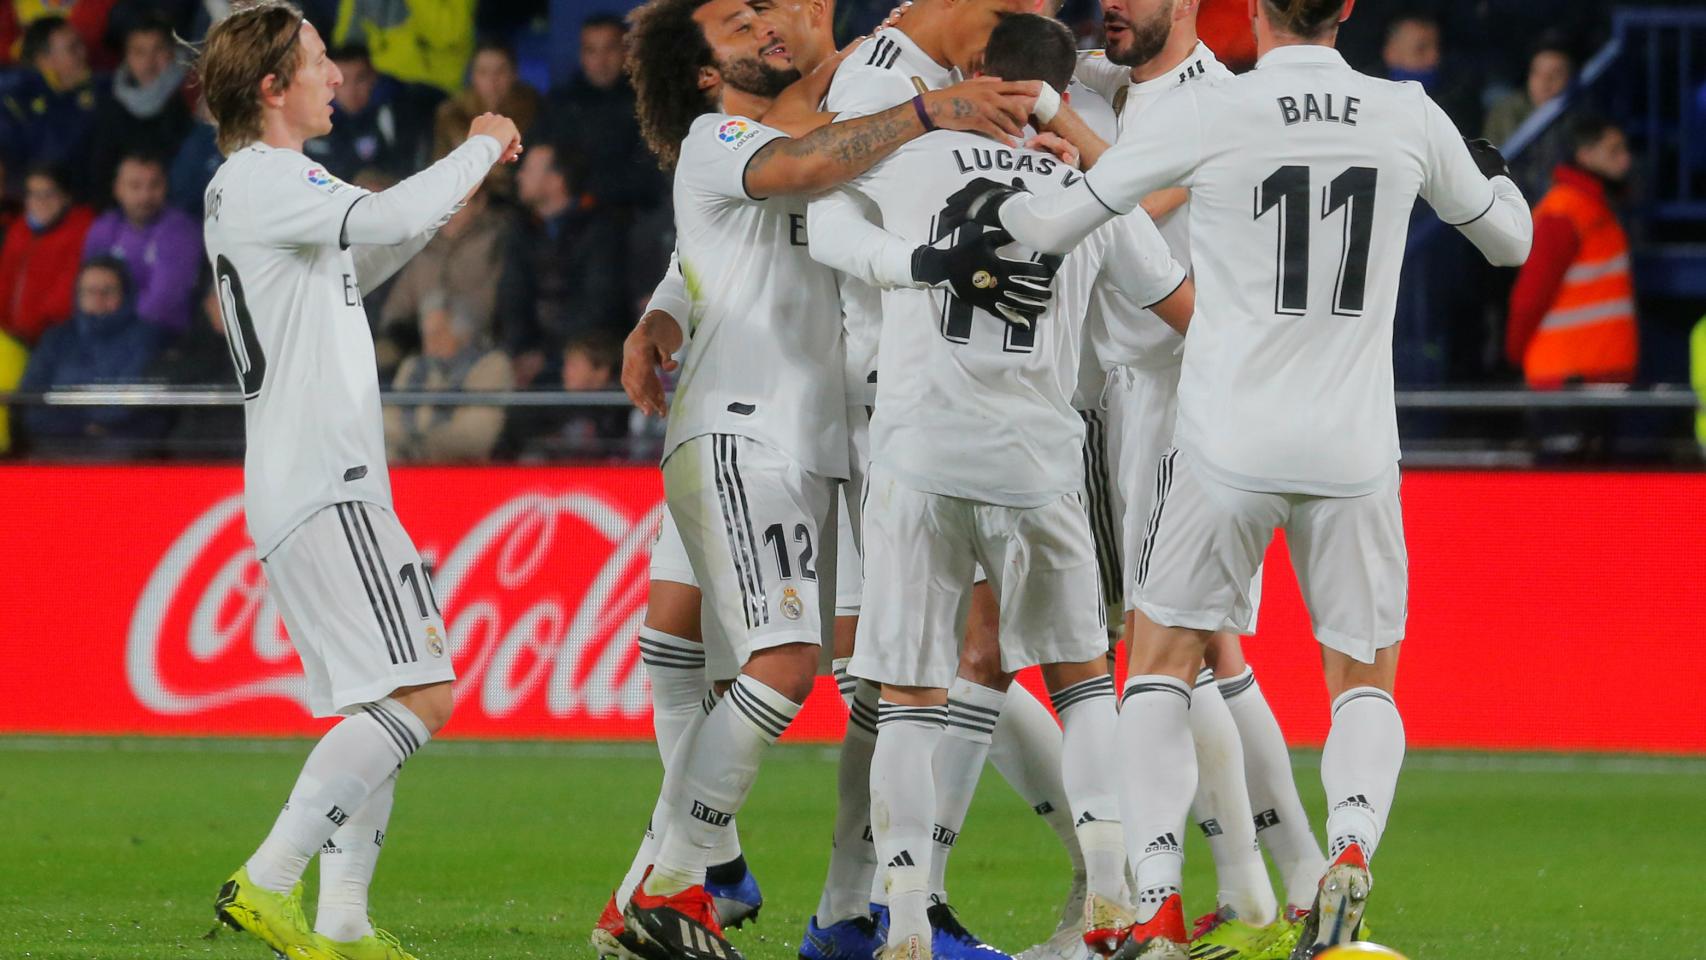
<point x="1302" y="177"/>
<point x="1245" y="787"/>
<point x="293" y="250"/>
<point x="975" y="460"/>
<point x="757" y="433"/>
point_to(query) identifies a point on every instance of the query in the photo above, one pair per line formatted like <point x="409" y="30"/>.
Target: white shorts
<point x="1206" y="541"/>
<point x="1104" y="503"/>
<point x="759" y="531"/>
<point x="1143" y="408"/>
<point x="921" y="551"/>
<point x="669" y="557"/>
<point x="359" y="607"/>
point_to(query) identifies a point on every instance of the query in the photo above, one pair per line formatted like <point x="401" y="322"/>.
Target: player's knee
<point x="431" y="704"/>
<point x="790" y="669"/>
<point x="1343" y="672"/>
<point x="1225" y="655"/>
<point x="674" y="609"/>
<point x="1167" y="651"/>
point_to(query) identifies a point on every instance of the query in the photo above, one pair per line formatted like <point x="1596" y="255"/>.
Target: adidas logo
<point x="330" y="847"/>
<point x="1266" y="819"/>
<point x="904" y="859"/>
<point x="1166" y="842"/>
<point x="715" y="818"/>
<point x="1211" y="827"/>
<point x="1088" y="817"/>
<point x="337" y="815"/>
<point x="1355" y="800"/>
<point x="697" y="938"/>
<point x="943" y="836"/>
<point x="869" y="838"/>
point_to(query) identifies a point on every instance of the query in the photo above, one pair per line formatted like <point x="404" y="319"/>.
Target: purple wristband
<point x="923" y="114"/>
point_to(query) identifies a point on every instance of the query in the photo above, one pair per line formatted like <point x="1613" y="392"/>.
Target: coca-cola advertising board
<point x="131" y="603"/>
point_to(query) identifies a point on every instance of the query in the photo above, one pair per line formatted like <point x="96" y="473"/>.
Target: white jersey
<point x="1157" y="345"/>
<point x="291" y="304"/>
<point x="969" y="405"/>
<point x="764" y="351"/>
<point x="887" y="70"/>
<point x="1099" y="116"/>
<point x="1302" y="175"/>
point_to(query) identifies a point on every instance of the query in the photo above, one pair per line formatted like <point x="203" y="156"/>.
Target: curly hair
<point x="1305" y="19"/>
<point x="257" y="39"/>
<point x="666" y="50"/>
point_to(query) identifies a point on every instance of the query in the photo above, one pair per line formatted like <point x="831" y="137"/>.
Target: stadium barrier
<point x="1548" y="611"/>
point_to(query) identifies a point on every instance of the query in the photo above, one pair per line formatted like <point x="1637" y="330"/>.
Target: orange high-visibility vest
<point x="1589" y="332"/>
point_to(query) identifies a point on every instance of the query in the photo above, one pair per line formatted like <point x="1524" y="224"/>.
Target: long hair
<point x="1305" y="19"/>
<point x="666" y="50"/>
<point x="260" y="37"/>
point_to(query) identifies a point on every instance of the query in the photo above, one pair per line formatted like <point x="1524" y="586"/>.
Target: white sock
<point x="903" y="796"/>
<point x="669" y="794"/>
<point x="1160" y="776"/>
<point x="972" y="712"/>
<point x="1089" y="723"/>
<point x="346" y="867"/>
<point x="676" y="668"/>
<point x="853" y="856"/>
<point x="1222" y="808"/>
<point x="1026" y="750"/>
<point x="1359" y="768"/>
<point x="1281" y="823"/>
<point x="344" y="769"/>
<point x="716" y="779"/>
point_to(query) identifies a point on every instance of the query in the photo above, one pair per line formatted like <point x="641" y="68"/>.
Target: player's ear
<point x="1345" y="14"/>
<point x="1184" y="8"/>
<point x="271" y="92"/>
<point x="709" y="78"/>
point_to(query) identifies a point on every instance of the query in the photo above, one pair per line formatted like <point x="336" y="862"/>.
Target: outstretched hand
<point x="648" y="348"/>
<point x="979" y="274"/>
<point x="995" y="108"/>
<point x="979" y="202"/>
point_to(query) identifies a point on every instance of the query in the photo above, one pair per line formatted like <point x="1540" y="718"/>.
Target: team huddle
<point x="990" y="353"/>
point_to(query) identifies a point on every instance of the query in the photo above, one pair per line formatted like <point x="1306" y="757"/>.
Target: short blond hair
<point x="260" y="37"/>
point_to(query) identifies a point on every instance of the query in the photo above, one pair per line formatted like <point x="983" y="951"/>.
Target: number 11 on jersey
<point x="1288" y="189"/>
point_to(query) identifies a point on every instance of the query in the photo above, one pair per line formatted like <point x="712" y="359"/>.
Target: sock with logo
<point x="1089" y="722"/>
<point x="1281" y="823"/>
<point x="669" y="795"/>
<point x="346" y="867"/>
<point x="972" y="712"/>
<point x="903" y="798"/>
<point x="676" y="668"/>
<point x="342" y="771"/>
<point x="1222" y="808"/>
<point x="1359" y="768"/>
<point x="1160" y="776"/>
<point x="852" y="857"/>
<point x="715" y="779"/>
<point x="1026" y="751"/>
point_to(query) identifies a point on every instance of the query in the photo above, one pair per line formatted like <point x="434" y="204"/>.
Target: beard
<point x="1145" y="40"/>
<point x="752" y="75"/>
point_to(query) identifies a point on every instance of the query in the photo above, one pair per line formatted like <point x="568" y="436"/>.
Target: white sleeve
<point x="671" y="296"/>
<point x="716" y="152"/>
<point x="1491" y="213"/>
<point x="842" y="236"/>
<point x="1139" y="263"/>
<point x="295" y="202"/>
<point x="1100" y="74"/>
<point x="421" y="202"/>
<point x="859" y="91"/>
<point x="374" y="264"/>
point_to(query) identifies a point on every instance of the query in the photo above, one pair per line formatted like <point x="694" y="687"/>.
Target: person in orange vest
<point x="1572" y="311"/>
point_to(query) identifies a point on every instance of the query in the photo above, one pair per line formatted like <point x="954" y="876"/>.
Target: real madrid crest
<point x="792" y="608"/>
<point x="435" y="643"/>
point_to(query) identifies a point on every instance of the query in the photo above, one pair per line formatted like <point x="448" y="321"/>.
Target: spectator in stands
<point x="1572" y="311"/>
<point x="162" y="246"/>
<point x="196" y="162"/>
<point x="564" y="279"/>
<point x="452" y="358"/>
<point x="460" y="261"/>
<point x="87" y="17"/>
<point x="1549" y="74"/>
<point x="144" y="107"/>
<point x="48" y="115"/>
<point x="1412" y="52"/>
<point x="592" y="116"/>
<point x="105" y="343"/>
<point x="592" y="361"/>
<point x="378" y="122"/>
<point x="493" y="87"/>
<point x="38" y="262"/>
<point x="200" y="359"/>
<point x="426" y="43"/>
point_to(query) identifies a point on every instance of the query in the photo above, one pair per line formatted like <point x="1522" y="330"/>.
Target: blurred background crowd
<point x="105" y="152"/>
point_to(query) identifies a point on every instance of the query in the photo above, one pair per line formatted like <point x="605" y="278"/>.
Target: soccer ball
<point x="1359" y="951"/>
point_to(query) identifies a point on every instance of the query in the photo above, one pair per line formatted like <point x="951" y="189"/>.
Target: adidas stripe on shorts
<point x="359" y="607"/>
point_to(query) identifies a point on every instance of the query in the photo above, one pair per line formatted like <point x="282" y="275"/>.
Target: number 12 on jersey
<point x="1288" y="189"/>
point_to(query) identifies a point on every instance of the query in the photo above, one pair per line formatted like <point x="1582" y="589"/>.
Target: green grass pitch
<point x="114" y="849"/>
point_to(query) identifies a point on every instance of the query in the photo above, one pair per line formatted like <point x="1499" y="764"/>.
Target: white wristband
<point x="1048" y="104"/>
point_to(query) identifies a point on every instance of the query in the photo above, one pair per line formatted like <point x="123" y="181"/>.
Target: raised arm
<point x="835" y="153"/>
<point x="1470" y="187"/>
<point x="424" y="200"/>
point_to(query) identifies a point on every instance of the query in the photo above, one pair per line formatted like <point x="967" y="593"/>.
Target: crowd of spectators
<point x="105" y="153"/>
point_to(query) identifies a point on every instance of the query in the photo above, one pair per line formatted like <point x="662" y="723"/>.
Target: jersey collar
<point x="1176" y="76"/>
<point x="1300" y="53"/>
<point x="914" y="62"/>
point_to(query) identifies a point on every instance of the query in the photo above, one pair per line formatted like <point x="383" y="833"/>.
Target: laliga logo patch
<point x="736" y="133"/>
<point x="319" y="178"/>
<point x="792" y="608"/>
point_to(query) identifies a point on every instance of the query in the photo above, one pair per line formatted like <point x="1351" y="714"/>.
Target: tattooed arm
<point x="838" y="152"/>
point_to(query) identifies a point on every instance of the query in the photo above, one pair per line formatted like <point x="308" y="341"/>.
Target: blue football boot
<point x="853" y="939"/>
<point x="949" y="939"/>
<point x="735" y="892"/>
